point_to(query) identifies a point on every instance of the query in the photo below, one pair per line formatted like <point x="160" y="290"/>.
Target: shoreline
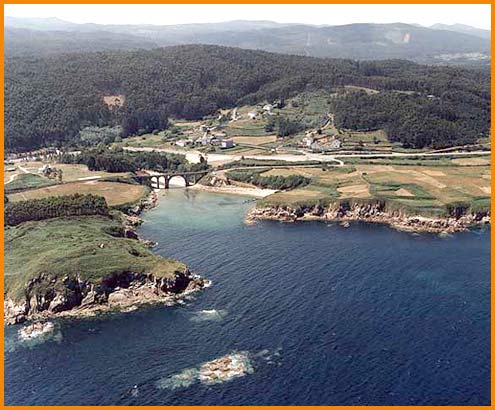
<point x="368" y="214"/>
<point x="234" y="190"/>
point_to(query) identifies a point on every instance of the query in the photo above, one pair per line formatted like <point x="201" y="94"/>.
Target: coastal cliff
<point x="48" y="296"/>
<point x="373" y="212"/>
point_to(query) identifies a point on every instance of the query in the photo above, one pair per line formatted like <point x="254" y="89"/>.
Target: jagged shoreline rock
<point x="35" y="330"/>
<point x="48" y="297"/>
<point x="370" y="213"/>
<point x="132" y="218"/>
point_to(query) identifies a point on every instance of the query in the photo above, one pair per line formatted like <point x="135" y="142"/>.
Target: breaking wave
<point x="212" y="315"/>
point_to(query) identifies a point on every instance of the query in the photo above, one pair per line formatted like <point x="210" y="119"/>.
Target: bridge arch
<point x="154" y="182"/>
<point x="178" y="180"/>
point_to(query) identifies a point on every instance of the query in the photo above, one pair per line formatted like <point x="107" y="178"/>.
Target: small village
<point x="251" y="127"/>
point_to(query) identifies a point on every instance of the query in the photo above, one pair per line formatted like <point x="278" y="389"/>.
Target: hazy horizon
<point x="477" y="15"/>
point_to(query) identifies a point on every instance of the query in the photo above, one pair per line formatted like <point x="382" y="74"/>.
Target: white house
<point x="315" y="146"/>
<point x="308" y="140"/>
<point x="335" y="144"/>
<point x="253" y="114"/>
<point x="181" y="143"/>
<point x="45" y="169"/>
<point x="268" y="108"/>
<point x="227" y="143"/>
<point x="235" y="115"/>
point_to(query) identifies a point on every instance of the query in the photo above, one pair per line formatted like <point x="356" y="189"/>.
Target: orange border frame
<point x="492" y="232"/>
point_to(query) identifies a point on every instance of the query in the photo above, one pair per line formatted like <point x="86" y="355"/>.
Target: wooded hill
<point x="48" y="100"/>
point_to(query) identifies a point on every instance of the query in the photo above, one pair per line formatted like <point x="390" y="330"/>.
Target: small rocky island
<point x="220" y="370"/>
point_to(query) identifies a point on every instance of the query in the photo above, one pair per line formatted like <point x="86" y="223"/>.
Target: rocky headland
<point x="371" y="213"/>
<point x="47" y="296"/>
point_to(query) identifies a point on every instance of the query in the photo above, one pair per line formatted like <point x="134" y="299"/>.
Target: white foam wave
<point x="206" y="315"/>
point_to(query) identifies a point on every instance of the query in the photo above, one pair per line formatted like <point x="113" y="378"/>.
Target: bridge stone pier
<point x="160" y="181"/>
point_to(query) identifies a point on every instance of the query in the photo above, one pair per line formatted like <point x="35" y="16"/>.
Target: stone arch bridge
<point x="163" y="179"/>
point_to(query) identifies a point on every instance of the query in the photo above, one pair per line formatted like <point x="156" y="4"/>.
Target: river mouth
<point x="363" y="315"/>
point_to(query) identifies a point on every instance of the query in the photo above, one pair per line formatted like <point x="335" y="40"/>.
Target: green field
<point x="28" y="181"/>
<point x="86" y="246"/>
<point x="421" y="189"/>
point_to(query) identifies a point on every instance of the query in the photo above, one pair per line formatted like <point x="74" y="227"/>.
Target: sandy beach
<point x="235" y="190"/>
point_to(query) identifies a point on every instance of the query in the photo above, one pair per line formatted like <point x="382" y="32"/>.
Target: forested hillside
<point x="48" y="100"/>
<point x="23" y="42"/>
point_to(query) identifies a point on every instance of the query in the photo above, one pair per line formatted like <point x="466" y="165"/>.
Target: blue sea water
<point x="327" y="315"/>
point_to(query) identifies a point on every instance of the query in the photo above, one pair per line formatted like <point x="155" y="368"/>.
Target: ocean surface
<point x="325" y="315"/>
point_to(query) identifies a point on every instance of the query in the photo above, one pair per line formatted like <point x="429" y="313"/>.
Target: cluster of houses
<point x="267" y="109"/>
<point x="44" y="153"/>
<point x="311" y="142"/>
<point x="210" y="137"/>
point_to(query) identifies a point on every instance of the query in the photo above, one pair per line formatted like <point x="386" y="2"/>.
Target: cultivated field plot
<point x="255" y="140"/>
<point x="147" y="140"/>
<point x="116" y="193"/>
<point x="369" y="140"/>
<point x="419" y="187"/>
<point x="27" y="181"/>
<point x="10" y="175"/>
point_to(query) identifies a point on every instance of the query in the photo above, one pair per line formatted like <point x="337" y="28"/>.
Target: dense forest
<point x="125" y="161"/>
<point x="49" y="100"/>
<point x="417" y="121"/>
<point x="53" y="207"/>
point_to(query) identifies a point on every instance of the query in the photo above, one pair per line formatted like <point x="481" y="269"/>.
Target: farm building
<point x="268" y="108"/>
<point x="227" y="143"/>
<point x="253" y="115"/>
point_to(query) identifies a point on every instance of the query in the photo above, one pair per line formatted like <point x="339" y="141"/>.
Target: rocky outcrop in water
<point x="370" y="212"/>
<point x="35" y="330"/>
<point x="48" y="296"/>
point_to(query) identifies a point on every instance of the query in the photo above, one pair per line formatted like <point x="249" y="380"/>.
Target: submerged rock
<point x="223" y="369"/>
<point x="35" y="330"/>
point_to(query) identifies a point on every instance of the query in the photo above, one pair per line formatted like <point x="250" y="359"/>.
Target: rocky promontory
<point x="372" y="213"/>
<point x="48" y="296"/>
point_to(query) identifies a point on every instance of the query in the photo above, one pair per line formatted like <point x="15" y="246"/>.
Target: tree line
<point x="53" y="207"/>
<point x="49" y="100"/>
<point x="269" y="182"/>
<point x="118" y="160"/>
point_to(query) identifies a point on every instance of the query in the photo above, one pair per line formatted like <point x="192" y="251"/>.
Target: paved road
<point x="218" y="159"/>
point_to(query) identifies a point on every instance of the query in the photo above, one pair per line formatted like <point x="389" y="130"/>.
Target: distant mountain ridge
<point x="438" y="44"/>
<point x="462" y="28"/>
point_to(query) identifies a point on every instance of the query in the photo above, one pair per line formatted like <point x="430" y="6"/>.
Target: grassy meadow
<point x="87" y="246"/>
